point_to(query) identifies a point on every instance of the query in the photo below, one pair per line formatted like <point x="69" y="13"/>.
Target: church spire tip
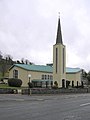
<point x="58" y="14"/>
<point x="59" y="34"/>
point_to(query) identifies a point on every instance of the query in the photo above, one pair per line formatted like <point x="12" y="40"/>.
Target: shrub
<point x="55" y="86"/>
<point x="30" y="84"/>
<point x="14" y="82"/>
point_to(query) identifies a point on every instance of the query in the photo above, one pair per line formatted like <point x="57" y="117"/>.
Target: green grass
<point x="6" y="86"/>
<point x="0" y="75"/>
<point x="3" y="85"/>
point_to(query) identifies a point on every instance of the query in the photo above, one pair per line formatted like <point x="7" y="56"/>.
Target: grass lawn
<point x="0" y="75"/>
<point x="6" y="86"/>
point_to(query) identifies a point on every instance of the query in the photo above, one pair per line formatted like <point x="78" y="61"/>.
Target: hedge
<point x="14" y="82"/>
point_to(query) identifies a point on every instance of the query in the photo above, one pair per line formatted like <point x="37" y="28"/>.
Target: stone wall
<point x="44" y="91"/>
<point x="56" y="91"/>
<point x="7" y="91"/>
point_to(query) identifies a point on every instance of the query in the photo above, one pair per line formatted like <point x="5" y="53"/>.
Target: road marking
<point x="85" y="104"/>
<point x="40" y="99"/>
<point x="19" y="99"/>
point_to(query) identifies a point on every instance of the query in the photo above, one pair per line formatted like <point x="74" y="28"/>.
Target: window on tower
<point x="63" y="60"/>
<point x="56" y="59"/>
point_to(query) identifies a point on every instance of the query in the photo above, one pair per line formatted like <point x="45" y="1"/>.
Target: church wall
<point x="74" y="77"/>
<point x="23" y="75"/>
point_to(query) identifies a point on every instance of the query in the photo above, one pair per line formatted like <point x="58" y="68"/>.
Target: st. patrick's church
<point x="47" y="75"/>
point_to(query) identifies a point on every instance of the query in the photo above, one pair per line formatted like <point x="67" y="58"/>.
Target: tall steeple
<point x="59" y="34"/>
<point x="59" y="59"/>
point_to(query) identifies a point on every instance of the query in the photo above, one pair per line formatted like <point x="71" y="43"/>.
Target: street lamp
<point x="29" y="76"/>
<point x="29" y="88"/>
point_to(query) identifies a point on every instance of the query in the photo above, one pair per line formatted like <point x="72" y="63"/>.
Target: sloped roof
<point x="72" y="70"/>
<point x="43" y="68"/>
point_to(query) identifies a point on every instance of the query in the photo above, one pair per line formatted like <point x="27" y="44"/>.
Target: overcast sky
<point x="28" y="30"/>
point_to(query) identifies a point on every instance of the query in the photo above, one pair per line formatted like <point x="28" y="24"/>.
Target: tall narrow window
<point x="72" y="83"/>
<point x="51" y="77"/>
<point x="63" y="83"/>
<point x="56" y="59"/>
<point x="48" y="77"/>
<point x="15" y="73"/>
<point x="45" y="77"/>
<point x="42" y="76"/>
<point x="63" y="60"/>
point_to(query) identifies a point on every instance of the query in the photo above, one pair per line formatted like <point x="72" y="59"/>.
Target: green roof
<point x="43" y="68"/>
<point x="72" y="70"/>
<point x="41" y="80"/>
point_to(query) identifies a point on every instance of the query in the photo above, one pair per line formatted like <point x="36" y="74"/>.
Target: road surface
<point x="45" y="107"/>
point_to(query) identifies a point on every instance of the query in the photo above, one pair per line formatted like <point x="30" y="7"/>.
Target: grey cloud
<point x="28" y="29"/>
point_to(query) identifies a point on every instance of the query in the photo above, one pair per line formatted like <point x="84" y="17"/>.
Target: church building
<point x="47" y="75"/>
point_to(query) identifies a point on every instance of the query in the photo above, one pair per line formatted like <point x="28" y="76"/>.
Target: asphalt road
<point x="46" y="107"/>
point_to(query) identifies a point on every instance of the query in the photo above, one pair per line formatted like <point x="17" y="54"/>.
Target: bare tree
<point x="8" y="59"/>
<point x="22" y="60"/>
<point x="18" y="62"/>
<point x="1" y="55"/>
<point x="3" y="68"/>
<point x="27" y="61"/>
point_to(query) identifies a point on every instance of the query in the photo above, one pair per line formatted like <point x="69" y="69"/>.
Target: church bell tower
<point x="59" y="59"/>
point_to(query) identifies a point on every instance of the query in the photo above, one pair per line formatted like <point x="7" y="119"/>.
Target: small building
<point x="42" y="76"/>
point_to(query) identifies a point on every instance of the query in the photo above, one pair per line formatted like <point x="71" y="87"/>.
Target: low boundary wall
<point x="43" y="91"/>
<point x="55" y="91"/>
<point x="6" y="91"/>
